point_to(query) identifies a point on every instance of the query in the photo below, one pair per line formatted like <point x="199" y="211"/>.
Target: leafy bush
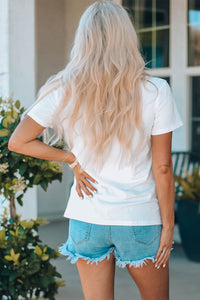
<point x="189" y="187"/>
<point x="18" y="172"/>
<point x="25" y="268"/>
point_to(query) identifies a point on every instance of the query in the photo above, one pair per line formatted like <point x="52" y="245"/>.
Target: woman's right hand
<point x="83" y="183"/>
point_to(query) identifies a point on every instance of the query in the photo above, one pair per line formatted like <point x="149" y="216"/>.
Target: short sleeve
<point x="166" y="117"/>
<point x="43" y="111"/>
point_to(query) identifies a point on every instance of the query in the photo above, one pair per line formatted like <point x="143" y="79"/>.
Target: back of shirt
<point x="125" y="195"/>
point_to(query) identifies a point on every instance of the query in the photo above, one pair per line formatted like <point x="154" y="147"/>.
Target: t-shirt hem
<point x="36" y="119"/>
<point x="162" y="131"/>
<point x="119" y="223"/>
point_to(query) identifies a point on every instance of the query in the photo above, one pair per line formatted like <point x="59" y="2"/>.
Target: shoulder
<point x="56" y="93"/>
<point x="156" y="82"/>
<point x="52" y="97"/>
<point x="152" y="88"/>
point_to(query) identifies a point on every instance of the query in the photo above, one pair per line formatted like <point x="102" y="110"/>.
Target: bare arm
<point x="163" y="174"/>
<point x="23" y="140"/>
<point x="164" y="179"/>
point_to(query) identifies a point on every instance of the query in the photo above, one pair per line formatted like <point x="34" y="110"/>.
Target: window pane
<point x="195" y="114"/>
<point x="162" y="12"/>
<point x="148" y="17"/>
<point x="162" y="48"/>
<point x="146" y="47"/>
<point x="194" y="45"/>
<point x="142" y="12"/>
<point x="196" y="97"/>
<point x="193" y="32"/>
<point x="193" y="11"/>
<point x="196" y="137"/>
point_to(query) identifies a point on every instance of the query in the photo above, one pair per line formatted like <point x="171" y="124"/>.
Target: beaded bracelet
<point x="73" y="164"/>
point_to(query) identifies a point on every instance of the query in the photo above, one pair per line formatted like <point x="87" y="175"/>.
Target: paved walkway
<point x="184" y="274"/>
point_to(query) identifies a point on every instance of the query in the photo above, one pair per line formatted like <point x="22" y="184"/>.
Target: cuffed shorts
<point x="132" y="245"/>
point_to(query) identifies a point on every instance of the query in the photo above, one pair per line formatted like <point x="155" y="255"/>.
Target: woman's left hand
<point x="82" y="182"/>
<point x="164" y="251"/>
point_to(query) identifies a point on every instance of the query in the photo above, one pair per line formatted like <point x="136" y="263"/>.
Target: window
<point x="193" y="32"/>
<point x="151" y="21"/>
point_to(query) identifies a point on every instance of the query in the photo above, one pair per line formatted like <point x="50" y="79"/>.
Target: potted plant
<point x="188" y="212"/>
<point x="25" y="268"/>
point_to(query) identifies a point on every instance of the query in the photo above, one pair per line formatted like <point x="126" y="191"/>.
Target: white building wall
<point x="21" y="55"/>
<point x="4" y="82"/>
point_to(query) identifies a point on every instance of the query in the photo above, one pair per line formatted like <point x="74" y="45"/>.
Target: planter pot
<point x="188" y="218"/>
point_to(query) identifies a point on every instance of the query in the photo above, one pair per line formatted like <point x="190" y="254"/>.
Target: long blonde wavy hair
<point x="102" y="84"/>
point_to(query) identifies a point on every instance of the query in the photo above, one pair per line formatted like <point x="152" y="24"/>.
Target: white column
<point x="4" y="48"/>
<point x="21" y="29"/>
<point x="179" y="82"/>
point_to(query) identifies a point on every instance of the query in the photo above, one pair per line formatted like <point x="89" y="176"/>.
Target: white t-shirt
<point x="125" y="196"/>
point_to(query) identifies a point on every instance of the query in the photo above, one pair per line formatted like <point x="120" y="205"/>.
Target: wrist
<point x="168" y="226"/>
<point x="69" y="157"/>
<point x="74" y="164"/>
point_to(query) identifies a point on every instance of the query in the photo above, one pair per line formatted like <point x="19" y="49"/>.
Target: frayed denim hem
<point x="137" y="263"/>
<point x="74" y="256"/>
<point x="119" y="262"/>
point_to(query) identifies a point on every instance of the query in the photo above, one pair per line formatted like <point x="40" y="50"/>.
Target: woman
<point x="117" y="122"/>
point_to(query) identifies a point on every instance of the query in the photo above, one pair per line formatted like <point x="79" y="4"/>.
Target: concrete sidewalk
<point x="184" y="274"/>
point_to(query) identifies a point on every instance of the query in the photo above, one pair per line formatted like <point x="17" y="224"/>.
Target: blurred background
<point x="36" y="37"/>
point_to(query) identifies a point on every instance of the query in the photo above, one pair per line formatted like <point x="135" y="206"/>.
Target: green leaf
<point x="16" y="257"/>
<point x="38" y="251"/>
<point x="12" y="232"/>
<point x="19" y="199"/>
<point x="4" y="132"/>
<point x="2" y="235"/>
<point x="44" y="185"/>
<point x="15" y="154"/>
<point x="22" y="110"/>
<point x="37" y="179"/>
<point x="14" y="114"/>
<point x="42" y="221"/>
<point x="22" y="169"/>
<point x="5" y="123"/>
<point x="8" y="257"/>
<point x="60" y="283"/>
<point x="44" y="257"/>
<point x="17" y="104"/>
<point x="44" y="281"/>
<point x="27" y="224"/>
<point x="34" y="268"/>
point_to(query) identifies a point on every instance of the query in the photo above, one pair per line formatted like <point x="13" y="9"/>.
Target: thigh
<point x="97" y="280"/>
<point x="92" y="251"/>
<point x="152" y="283"/>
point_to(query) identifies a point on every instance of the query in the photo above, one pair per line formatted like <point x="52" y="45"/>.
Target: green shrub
<point x="25" y="268"/>
<point x="18" y="172"/>
<point x="188" y="187"/>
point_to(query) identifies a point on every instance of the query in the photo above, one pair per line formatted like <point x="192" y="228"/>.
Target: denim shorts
<point x="132" y="245"/>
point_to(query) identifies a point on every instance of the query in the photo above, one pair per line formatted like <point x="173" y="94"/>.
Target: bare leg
<point x="97" y="280"/>
<point x="152" y="283"/>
